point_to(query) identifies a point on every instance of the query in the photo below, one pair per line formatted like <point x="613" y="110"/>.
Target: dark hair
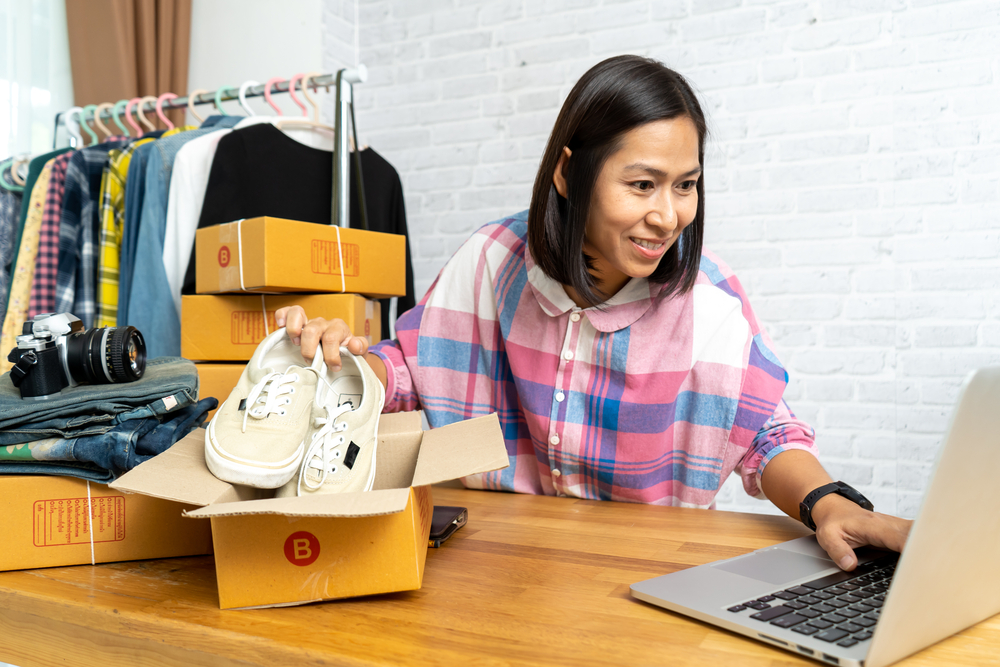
<point x="613" y="97"/>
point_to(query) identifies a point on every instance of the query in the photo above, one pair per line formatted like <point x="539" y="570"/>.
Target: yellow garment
<point x="112" y="229"/>
<point x="112" y="211"/>
<point x="24" y="273"/>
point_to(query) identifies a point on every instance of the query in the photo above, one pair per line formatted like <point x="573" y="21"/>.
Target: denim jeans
<point x="169" y="383"/>
<point x="103" y="458"/>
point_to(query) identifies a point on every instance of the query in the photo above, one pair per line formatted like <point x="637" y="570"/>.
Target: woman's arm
<point x="841" y="526"/>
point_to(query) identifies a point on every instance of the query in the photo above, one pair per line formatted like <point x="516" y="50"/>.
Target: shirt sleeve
<point x="400" y="359"/>
<point x="781" y="433"/>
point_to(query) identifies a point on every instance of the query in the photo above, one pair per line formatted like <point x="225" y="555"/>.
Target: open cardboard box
<point x="287" y="551"/>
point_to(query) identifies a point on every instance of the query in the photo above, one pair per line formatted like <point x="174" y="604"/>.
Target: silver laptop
<point x="794" y="597"/>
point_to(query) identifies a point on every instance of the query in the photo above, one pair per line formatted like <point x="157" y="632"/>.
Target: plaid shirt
<point x="648" y="398"/>
<point x="43" y="288"/>
<point x="76" y="280"/>
<point x="112" y="226"/>
<point x="24" y="271"/>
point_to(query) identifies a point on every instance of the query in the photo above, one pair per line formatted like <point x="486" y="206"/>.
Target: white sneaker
<point x="258" y="435"/>
<point x="341" y="450"/>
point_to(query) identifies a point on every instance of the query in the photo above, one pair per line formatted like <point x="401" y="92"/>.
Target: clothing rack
<point x="340" y="206"/>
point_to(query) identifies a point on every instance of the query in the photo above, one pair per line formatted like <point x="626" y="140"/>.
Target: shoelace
<point x="328" y="445"/>
<point x="273" y="393"/>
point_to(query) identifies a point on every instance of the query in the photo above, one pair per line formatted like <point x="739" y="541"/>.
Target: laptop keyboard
<point x="841" y="608"/>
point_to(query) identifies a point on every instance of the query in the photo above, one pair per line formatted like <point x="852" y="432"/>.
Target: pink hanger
<point x="291" y="91"/>
<point x="159" y="108"/>
<point x="267" y="93"/>
<point x="128" y="115"/>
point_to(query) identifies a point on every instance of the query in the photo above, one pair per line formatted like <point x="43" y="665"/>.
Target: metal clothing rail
<point x="341" y="155"/>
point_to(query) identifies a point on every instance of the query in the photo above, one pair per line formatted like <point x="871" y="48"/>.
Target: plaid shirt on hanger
<point x="43" y="289"/>
<point x="76" y="281"/>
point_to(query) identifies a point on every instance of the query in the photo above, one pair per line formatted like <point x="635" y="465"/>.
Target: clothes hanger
<point x="291" y="92"/>
<point x="305" y="122"/>
<point x="267" y="94"/>
<point x="90" y="108"/>
<point x="98" y="110"/>
<point x="13" y="187"/>
<point x="142" y="117"/>
<point x="243" y="96"/>
<point x="309" y="98"/>
<point x="71" y="118"/>
<point x="159" y="109"/>
<point x="14" y="166"/>
<point x="116" y="113"/>
<point x="218" y="99"/>
<point x="128" y="115"/>
<point x="193" y="94"/>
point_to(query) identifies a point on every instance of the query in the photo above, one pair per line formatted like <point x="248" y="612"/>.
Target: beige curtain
<point x="128" y="48"/>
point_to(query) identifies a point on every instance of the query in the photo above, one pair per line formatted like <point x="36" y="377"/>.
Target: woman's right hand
<point x="309" y="333"/>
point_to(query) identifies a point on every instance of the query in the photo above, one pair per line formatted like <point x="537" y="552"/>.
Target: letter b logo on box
<point x="302" y="548"/>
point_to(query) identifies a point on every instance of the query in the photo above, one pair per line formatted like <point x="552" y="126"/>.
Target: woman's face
<point x="643" y="199"/>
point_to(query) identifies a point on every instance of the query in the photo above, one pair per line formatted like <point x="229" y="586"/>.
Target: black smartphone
<point x="445" y="522"/>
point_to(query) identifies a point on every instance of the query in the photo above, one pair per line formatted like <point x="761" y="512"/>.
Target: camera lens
<point x="106" y="355"/>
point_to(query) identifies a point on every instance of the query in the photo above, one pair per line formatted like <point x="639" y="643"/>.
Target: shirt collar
<point x="620" y="311"/>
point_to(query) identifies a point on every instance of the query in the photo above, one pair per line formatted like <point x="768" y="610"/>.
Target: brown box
<point x="217" y="380"/>
<point x="49" y="521"/>
<point x="276" y="255"/>
<point x="287" y="551"/>
<point x="229" y="327"/>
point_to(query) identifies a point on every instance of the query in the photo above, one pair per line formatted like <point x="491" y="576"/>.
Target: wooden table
<point x="530" y="581"/>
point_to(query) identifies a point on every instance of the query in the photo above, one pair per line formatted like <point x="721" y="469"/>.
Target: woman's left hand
<point x="842" y="526"/>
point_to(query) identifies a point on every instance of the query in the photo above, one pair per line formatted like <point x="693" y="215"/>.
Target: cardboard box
<point x="288" y="551"/>
<point x="217" y="380"/>
<point x="49" y="521"/>
<point x="229" y="327"/>
<point x="275" y="255"/>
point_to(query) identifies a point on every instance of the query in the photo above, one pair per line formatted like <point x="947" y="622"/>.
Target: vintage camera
<point x="54" y="352"/>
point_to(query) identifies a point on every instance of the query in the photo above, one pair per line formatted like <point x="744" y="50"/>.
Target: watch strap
<point x="840" y="488"/>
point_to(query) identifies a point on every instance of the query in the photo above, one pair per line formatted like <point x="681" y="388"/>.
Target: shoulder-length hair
<point x="613" y="97"/>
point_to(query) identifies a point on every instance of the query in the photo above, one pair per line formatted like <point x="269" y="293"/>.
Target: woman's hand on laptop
<point x="841" y="525"/>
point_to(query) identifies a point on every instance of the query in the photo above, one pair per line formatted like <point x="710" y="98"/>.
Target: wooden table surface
<point x="529" y="581"/>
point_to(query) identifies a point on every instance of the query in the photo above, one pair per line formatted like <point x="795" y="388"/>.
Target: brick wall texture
<point x="852" y="175"/>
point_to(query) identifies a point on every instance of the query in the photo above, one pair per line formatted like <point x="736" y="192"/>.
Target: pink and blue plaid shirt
<point x="647" y="398"/>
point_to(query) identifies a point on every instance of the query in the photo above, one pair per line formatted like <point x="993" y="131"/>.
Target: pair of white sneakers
<point x="297" y="426"/>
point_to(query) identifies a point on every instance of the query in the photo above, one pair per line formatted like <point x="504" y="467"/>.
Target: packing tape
<point x="90" y="523"/>
<point x="239" y="247"/>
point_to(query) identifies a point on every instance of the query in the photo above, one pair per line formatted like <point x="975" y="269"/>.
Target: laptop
<point x="794" y="597"/>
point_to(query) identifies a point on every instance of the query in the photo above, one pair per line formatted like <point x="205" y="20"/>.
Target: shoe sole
<point x="228" y="469"/>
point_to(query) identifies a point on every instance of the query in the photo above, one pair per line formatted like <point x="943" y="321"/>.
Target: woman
<point x="624" y="362"/>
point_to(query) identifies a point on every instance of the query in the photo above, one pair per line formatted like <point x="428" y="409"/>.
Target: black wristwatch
<point x="846" y="490"/>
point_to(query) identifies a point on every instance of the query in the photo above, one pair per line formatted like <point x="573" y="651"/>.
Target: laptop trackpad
<point x="775" y="566"/>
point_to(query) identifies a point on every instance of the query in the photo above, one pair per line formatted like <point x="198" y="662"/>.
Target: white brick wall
<point x="853" y="176"/>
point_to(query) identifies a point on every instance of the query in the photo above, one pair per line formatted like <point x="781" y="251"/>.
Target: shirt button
<point x="560" y="397"/>
<point x="575" y="317"/>
<point x="555" y="472"/>
<point x="554" y="440"/>
<point x="567" y="355"/>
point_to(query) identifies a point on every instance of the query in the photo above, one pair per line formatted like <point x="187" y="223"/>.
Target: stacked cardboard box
<point x="331" y="272"/>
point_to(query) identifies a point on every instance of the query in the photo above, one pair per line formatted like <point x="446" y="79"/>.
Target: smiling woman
<point x="623" y="360"/>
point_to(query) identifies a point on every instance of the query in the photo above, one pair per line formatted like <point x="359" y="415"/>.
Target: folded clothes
<point x="169" y="384"/>
<point x="105" y="457"/>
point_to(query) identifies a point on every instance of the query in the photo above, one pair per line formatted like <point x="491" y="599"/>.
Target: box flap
<point x="371" y="503"/>
<point x="399" y="422"/>
<point x="180" y="474"/>
<point x="463" y="448"/>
